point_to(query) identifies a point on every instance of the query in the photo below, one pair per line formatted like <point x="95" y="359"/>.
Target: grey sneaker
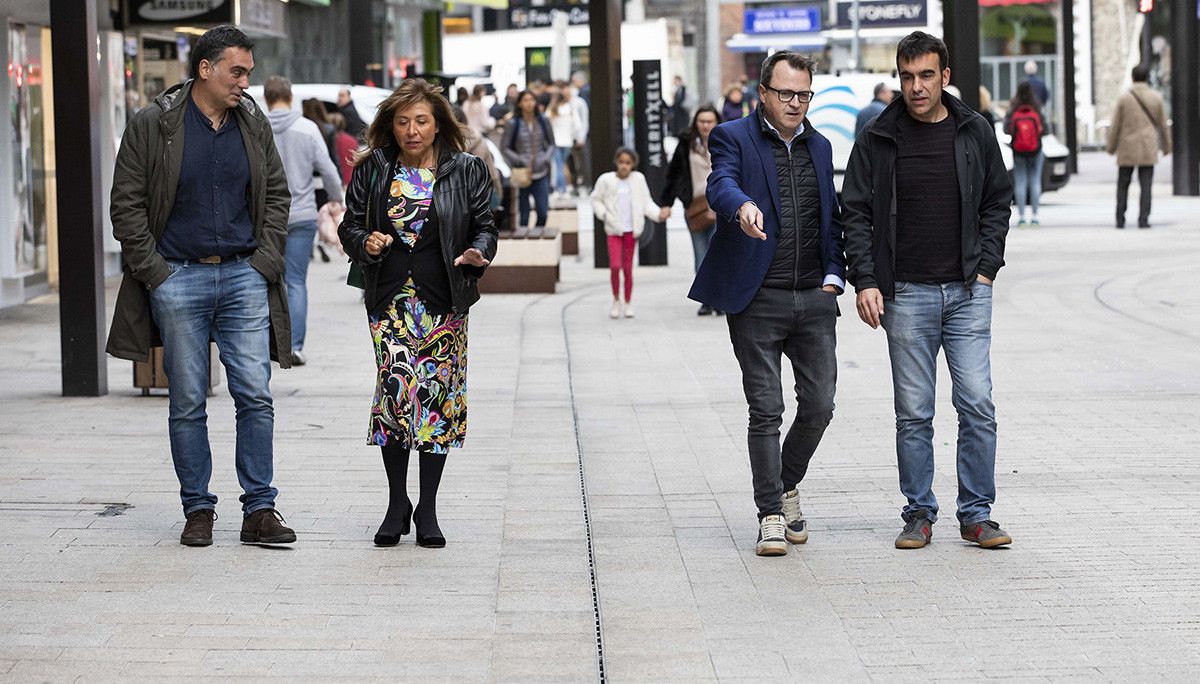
<point x="795" y="527"/>
<point x="771" y="540"/>
<point x="917" y="532"/>
<point x="985" y="533"/>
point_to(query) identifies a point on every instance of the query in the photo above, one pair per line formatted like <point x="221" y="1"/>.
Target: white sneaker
<point x="795" y="527"/>
<point x="628" y="310"/>
<point x="771" y="539"/>
<point x="615" y="311"/>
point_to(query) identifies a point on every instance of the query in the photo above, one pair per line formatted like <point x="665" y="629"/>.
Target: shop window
<point x="30" y="153"/>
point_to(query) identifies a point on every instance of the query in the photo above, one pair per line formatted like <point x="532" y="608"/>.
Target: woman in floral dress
<point x="419" y="224"/>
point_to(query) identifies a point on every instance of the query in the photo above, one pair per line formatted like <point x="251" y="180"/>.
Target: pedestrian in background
<point x="620" y="199"/>
<point x="354" y="123"/>
<point x="882" y="97"/>
<point x="475" y="146"/>
<point x="929" y="240"/>
<point x="344" y="145"/>
<point x="678" y="111"/>
<point x="686" y="181"/>
<point x="985" y="106"/>
<point x="1137" y="132"/>
<point x="1037" y="84"/>
<point x="776" y="265"/>
<point x="418" y="223"/>
<point x="1025" y="127"/>
<point x="568" y="130"/>
<point x="200" y="207"/>
<point x="734" y="106"/>
<point x="476" y="111"/>
<point x="304" y="153"/>
<point x="580" y="159"/>
<point x="529" y="144"/>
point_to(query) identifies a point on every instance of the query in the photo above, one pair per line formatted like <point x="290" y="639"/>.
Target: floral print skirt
<point x="421" y="376"/>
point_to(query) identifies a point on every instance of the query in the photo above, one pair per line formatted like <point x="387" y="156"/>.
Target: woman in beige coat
<point x="1138" y="131"/>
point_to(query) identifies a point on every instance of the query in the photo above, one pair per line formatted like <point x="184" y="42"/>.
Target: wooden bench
<point x="526" y="262"/>
<point x="148" y="375"/>
<point x="566" y="221"/>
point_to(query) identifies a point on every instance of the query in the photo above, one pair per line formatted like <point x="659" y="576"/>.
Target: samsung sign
<point x="177" y="11"/>
<point x="783" y="20"/>
<point x="875" y="13"/>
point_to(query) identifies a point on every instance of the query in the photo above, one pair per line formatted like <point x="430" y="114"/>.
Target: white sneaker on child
<point x="628" y="310"/>
<point x="615" y="311"/>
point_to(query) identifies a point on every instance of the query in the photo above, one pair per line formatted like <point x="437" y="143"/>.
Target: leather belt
<point x="210" y="260"/>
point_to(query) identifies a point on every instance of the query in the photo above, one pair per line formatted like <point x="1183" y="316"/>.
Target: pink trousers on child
<point x="620" y="258"/>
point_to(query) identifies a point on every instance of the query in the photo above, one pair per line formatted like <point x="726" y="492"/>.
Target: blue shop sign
<point x="783" y="20"/>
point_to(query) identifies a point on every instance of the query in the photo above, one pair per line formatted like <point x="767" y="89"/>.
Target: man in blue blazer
<point x="776" y="264"/>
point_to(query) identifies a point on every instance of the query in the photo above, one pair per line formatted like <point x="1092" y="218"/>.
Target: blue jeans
<point x="700" y="240"/>
<point x="922" y="319"/>
<point x="227" y="303"/>
<point x="561" y="154"/>
<point x="298" y="253"/>
<point x="540" y="189"/>
<point x="1027" y="176"/>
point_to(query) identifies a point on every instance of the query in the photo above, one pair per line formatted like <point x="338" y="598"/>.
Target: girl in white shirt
<point x="620" y="200"/>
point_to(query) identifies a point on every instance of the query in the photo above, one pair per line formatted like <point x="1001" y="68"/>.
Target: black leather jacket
<point x="461" y="198"/>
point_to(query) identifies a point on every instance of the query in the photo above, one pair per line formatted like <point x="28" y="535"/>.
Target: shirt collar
<point x="788" y="142"/>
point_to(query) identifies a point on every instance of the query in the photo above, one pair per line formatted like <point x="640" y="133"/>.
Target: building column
<point x="960" y="26"/>
<point x="605" y="79"/>
<point x="1185" y="99"/>
<point x="80" y="219"/>
<point x="1068" y="76"/>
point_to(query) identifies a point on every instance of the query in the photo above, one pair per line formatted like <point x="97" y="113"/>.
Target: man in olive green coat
<point x="200" y="205"/>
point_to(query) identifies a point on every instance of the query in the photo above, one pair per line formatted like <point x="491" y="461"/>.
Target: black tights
<point x="395" y="462"/>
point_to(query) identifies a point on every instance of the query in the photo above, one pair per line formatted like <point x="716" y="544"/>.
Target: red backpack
<point x="1026" y="126"/>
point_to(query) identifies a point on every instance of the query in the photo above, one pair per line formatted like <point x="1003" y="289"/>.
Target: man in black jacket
<point x="926" y="208"/>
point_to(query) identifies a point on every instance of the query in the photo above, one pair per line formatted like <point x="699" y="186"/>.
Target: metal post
<point x="1068" y="97"/>
<point x="961" y="30"/>
<point x="604" y="22"/>
<point x="856" y="42"/>
<point x="80" y="222"/>
<point x="1185" y="99"/>
<point x="361" y="39"/>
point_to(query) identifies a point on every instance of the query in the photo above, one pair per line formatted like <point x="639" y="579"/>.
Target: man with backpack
<point x="1137" y="132"/>
<point x="1025" y="126"/>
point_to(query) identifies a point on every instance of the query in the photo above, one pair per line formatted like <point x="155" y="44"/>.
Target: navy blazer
<point x="743" y="170"/>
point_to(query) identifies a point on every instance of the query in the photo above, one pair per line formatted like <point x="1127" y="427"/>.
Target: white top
<point x="565" y="124"/>
<point x="625" y="205"/>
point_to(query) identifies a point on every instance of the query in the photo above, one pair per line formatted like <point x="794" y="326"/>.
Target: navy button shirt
<point x="211" y="216"/>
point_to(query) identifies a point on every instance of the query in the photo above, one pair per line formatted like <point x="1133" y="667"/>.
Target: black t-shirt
<point x="928" y="215"/>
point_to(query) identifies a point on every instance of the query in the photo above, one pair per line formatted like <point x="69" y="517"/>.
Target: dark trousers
<point x="540" y="190"/>
<point x="1145" y="180"/>
<point x="798" y="324"/>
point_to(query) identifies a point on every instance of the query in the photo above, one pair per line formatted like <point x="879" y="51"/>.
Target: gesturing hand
<point x="376" y="242"/>
<point x="471" y="257"/>
<point x="751" y="220"/>
<point x="870" y="306"/>
<point x="663" y="214"/>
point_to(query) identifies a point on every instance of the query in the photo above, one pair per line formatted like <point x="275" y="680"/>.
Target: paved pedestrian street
<point x="651" y="575"/>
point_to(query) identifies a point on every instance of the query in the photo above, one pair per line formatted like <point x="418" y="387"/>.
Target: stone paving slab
<point x="1097" y="377"/>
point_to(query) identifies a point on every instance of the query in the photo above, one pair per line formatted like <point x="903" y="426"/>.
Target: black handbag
<point x="356" y="277"/>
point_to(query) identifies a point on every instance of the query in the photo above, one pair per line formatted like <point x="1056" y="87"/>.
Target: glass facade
<point x="28" y="47"/>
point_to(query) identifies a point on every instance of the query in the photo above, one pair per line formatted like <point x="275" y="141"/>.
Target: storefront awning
<point x="740" y="42"/>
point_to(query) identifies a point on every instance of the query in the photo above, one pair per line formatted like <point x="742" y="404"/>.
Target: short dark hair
<point x="918" y="44"/>
<point x="277" y="89"/>
<point x="212" y="45"/>
<point x="881" y="88"/>
<point x="1140" y="73"/>
<point x="628" y="151"/>
<point x="796" y="60"/>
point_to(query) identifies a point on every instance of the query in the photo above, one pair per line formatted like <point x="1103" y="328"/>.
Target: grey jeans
<point x="801" y="325"/>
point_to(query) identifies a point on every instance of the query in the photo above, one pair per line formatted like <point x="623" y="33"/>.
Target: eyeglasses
<point x="786" y="96"/>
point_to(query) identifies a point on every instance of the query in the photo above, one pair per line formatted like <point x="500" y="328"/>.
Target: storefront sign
<point x="783" y="20"/>
<point x="648" y="123"/>
<point x="179" y="11"/>
<point x="877" y="13"/>
<point x="542" y="17"/>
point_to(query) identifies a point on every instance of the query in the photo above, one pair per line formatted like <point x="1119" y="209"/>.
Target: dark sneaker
<point x="917" y="532"/>
<point x="197" y="531"/>
<point x="771" y="539"/>
<point x="795" y="527"/>
<point x="265" y="526"/>
<point x="985" y="533"/>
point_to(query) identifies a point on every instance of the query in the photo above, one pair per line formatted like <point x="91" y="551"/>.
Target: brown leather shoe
<point x="264" y="526"/>
<point x="198" y="529"/>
